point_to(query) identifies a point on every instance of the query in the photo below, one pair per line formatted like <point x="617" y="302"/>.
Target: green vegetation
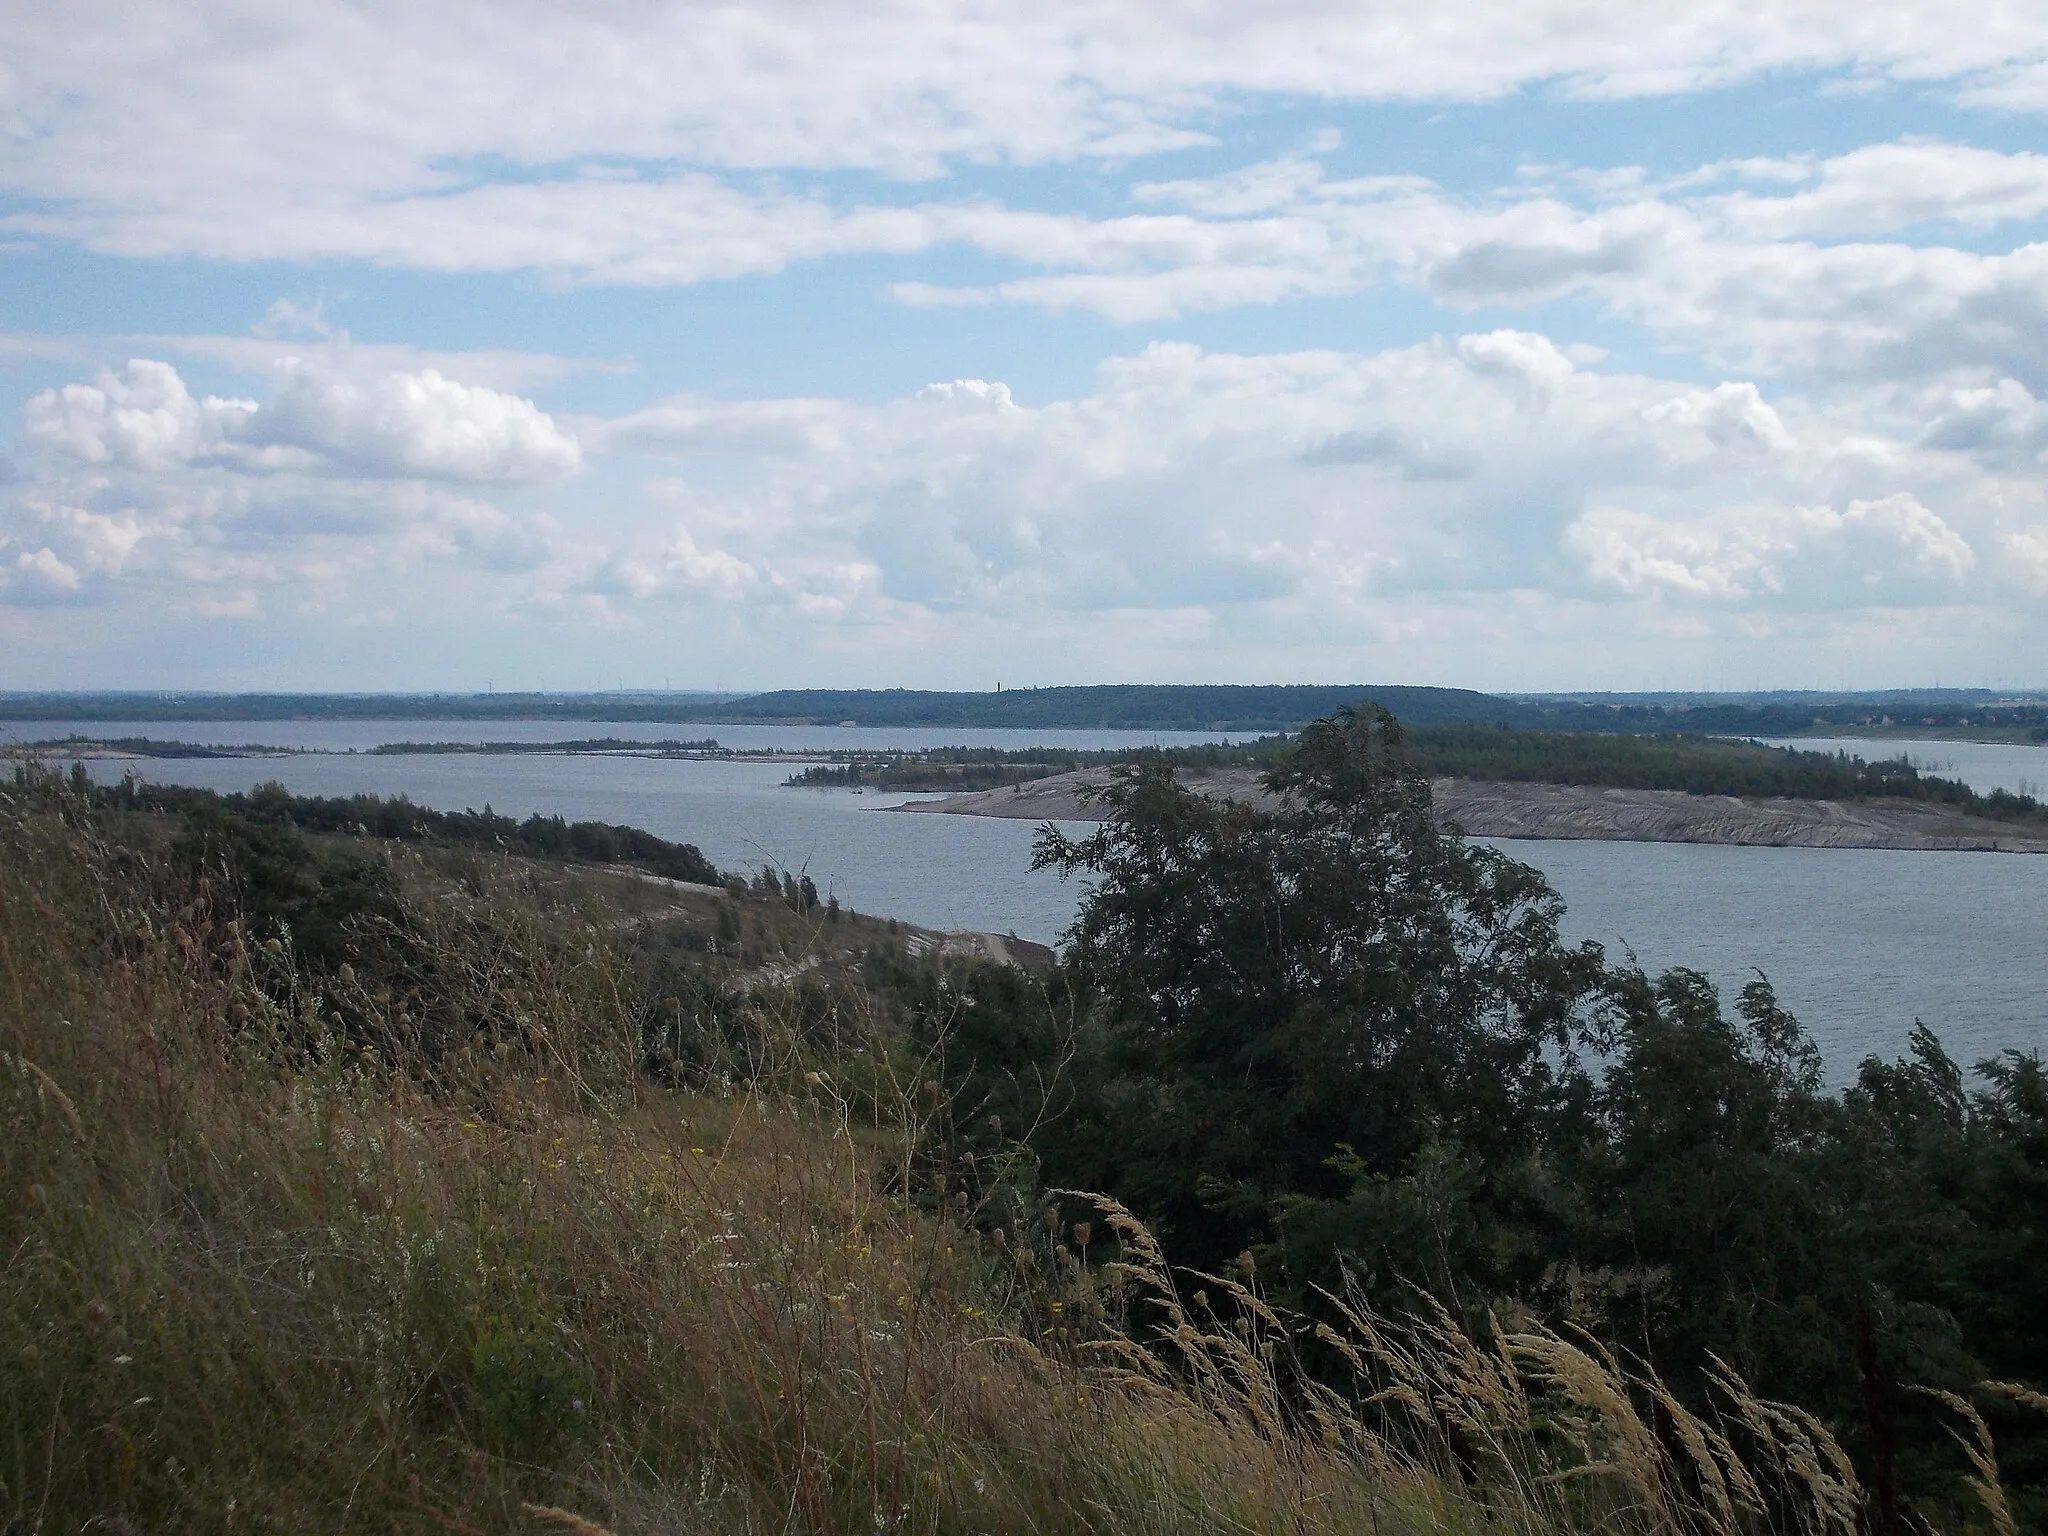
<point x="960" y="769"/>
<point x="422" y="1181"/>
<point x="273" y="807"/>
<point x="143" y="746"/>
<point x="1334" y="1038"/>
<point x="1698" y="765"/>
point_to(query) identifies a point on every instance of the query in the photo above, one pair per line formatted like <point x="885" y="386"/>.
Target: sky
<point x="1519" y="344"/>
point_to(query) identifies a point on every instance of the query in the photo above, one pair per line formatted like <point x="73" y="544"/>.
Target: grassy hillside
<point x="356" y="1185"/>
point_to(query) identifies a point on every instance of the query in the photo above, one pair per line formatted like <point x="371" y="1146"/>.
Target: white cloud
<point x="2026" y="555"/>
<point x="417" y="425"/>
<point x="38" y="577"/>
<point x="764" y="427"/>
<point x="630" y="135"/>
<point x="52" y="552"/>
<point x="141" y="417"/>
<point x="1869" y="551"/>
<point x="893" y="86"/>
<point x="2000" y="423"/>
<point x="1693" y="267"/>
<point x="1303" y="504"/>
<point x="1730" y="415"/>
<point x="1192" y="480"/>
<point x="1886" y="187"/>
<point x="401" y="425"/>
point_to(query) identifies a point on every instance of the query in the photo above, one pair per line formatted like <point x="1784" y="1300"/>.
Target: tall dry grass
<point x="254" y="1277"/>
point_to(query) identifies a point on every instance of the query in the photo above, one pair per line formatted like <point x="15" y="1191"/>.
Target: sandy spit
<point x="1571" y="811"/>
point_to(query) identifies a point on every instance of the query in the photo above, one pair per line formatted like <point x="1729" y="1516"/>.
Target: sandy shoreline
<point x="1575" y="812"/>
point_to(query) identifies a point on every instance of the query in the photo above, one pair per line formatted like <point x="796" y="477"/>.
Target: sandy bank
<point x="1576" y="812"/>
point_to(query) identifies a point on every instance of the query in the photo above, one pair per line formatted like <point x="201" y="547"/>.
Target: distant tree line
<point x="1136" y="707"/>
<point x="1699" y="765"/>
<point x="974" y="768"/>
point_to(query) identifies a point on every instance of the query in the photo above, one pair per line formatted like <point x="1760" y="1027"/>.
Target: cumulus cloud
<point x="139" y="417"/>
<point x="2002" y="422"/>
<point x="417" y="425"/>
<point x="1871" y="551"/>
<point x="52" y="552"/>
<point x="1197" y="481"/>
<point x="401" y="425"/>
<point x="1328" y="495"/>
<point x="1881" y="188"/>
<point x="1730" y="415"/>
<point x="38" y="577"/>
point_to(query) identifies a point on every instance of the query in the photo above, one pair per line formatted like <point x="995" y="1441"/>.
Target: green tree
<point x="1312" y="991"/>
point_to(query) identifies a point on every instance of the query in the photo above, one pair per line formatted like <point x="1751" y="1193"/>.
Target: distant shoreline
<point x="1242" y="709"/>
<point x="1530" y="810"/>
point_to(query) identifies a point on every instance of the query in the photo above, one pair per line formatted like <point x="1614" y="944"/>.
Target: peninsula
<point x="1482" y="808"/>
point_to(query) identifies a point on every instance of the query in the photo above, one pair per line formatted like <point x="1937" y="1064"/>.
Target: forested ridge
<point x="1120" y="706"/>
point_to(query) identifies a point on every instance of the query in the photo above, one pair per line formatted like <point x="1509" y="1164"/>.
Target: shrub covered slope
<point x="351" y="1183"/>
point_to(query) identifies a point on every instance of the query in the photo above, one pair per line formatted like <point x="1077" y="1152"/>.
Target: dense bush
<point x="399" y="819"/>
<point x="1330" y="1037"/>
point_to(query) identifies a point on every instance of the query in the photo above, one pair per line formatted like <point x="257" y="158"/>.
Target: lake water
<point x="1859" y="943"/>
